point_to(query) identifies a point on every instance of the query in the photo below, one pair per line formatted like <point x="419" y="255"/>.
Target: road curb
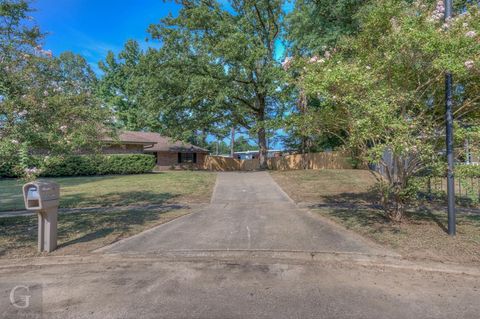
<point x="252" y="256"/>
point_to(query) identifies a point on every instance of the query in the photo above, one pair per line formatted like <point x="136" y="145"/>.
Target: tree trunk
<point x="232" y="143"/>
<point x="262" y="134"/>
<point x="302" y="107"/>
<point x="262" y="143"/>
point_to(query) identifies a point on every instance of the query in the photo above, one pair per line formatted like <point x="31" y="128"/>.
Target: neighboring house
<point x="248" y="155"/>
<point x="168" y="153"/>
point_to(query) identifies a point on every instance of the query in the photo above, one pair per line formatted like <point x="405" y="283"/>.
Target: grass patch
<point x="119" y="190"/>
<point x="328" y="185"/>
<point x="344" y="196"/>
<point x="80" y="232"/>
<point x="422" y="236"/>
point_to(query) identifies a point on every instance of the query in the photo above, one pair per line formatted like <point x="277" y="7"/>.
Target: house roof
<point x="130" y="137"/>
<point x="159" y="143"/>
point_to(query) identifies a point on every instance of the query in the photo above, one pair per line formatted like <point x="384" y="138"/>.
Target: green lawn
<point x="82" y="232"/>
<point x="345" y="196"/>
<point x="145" y="189"/>
<point x="326" y="185"/>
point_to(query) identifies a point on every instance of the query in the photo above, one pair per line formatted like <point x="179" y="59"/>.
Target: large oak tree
<point x="217" y="65"/>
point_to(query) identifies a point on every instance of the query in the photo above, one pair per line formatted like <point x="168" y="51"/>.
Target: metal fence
<point x="465" y="187"/>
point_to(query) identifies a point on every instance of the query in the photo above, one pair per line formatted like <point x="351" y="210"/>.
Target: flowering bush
<point x="46" y="101"/>
<point x="383" y="90"/>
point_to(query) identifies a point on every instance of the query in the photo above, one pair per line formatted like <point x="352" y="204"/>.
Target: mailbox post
<point x="43" y="197"/>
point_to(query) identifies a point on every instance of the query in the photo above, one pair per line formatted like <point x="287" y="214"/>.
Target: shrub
<point x="8" y="169"/>
<point x="126" y="164"/>
<point x="12" y="168"/>
<point x="85" y="165"/>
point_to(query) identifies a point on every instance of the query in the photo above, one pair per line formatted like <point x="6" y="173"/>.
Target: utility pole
<point x="449" y="137"/>
<point x="232" y="144"/>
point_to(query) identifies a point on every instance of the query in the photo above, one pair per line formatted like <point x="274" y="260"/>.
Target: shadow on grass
<point x="426" y="214"/>
<point x="94" y="225"/>
<point x="364" y="210"/>
<point x="80" y="227"/>
<point x="368" y="200"/>
<point x="439" y="217"/>
<point x="113" y="199"/>
<point x="11" y="197"/>
<point x="18" y="232"/>
<point x="82" y="180"/>
<point x="368" y="220"/>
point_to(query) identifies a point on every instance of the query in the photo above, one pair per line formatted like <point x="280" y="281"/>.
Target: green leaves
<point x="383" y="89"/>
<point x="315" y="26"/>
<point x="46" y="102"/>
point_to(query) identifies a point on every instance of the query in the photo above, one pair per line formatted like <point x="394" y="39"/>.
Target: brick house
<point x="168" y="153"/>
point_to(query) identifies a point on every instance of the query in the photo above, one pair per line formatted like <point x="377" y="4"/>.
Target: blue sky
<point x="93" y="27"/>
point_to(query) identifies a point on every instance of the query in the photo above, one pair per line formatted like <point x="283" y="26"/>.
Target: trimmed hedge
<point x="85" y="165"/>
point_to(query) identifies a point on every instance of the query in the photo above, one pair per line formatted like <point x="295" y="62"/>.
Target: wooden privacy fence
<point x="219" y="163"/>
<point x="326" y="160"/>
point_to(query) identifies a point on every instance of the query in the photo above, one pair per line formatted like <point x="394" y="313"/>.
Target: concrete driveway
<point x="248" y="211"/>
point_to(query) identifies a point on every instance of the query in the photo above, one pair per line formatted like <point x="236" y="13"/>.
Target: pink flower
<point x="439" y="11"/>
<point x="316" y="59"/>
<point x="287" y="63"/>
<point x="469" y="64"/>
<point x="63" y="128"/>
<point x="47" y="53"/>
<point x="31" y="171"/>
<point x="471" y="34"/>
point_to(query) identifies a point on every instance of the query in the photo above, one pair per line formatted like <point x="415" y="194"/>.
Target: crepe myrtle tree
<point x="222" y="55"/>
<point x="383" y="90"/>
<point x="47" y="103"/>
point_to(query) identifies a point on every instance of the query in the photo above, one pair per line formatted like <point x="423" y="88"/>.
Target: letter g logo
<point x="20" y="297"/>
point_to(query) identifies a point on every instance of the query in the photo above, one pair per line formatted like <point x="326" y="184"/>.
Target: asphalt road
<point x="248" y="211"/>
<point x="142" y="287"/>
